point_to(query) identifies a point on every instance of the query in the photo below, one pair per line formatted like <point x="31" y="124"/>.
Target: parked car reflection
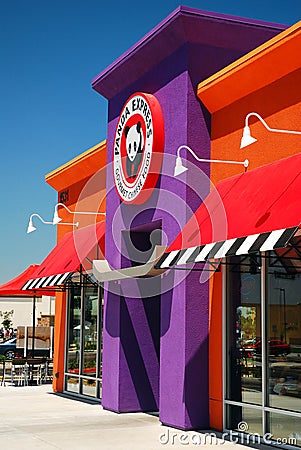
<point x="9" y="349"/>
<point x="285" y="378"/>
<point x="276" y="347"/>
<point x="288" y="387"/>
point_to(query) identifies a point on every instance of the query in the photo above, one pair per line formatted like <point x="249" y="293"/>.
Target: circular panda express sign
<point x="138" y="148"/>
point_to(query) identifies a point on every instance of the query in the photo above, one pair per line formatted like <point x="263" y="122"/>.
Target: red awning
<point x="256" y="211"/>
<point x="77" y="248"/>
<point x="13" y="288"/>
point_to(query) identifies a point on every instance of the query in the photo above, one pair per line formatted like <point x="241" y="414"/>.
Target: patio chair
<point x="19" y="372"/>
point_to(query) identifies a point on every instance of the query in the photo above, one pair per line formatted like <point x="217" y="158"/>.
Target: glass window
<point x="244" y="360"/>
<point x="284" y="330"/>
<point x="89" y="387"/>
<point x="247" y="420"/>
<point x="285" y="429"/>
<point x="90" y="331"/>
<point x="72" y="384"/>
<point x="74" y="326"/>
<point x="84" y="340"/>
<point x="280" y="321"/>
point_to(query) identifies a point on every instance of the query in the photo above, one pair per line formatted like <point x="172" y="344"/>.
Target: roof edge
<point x="206" y="88"/>
<point x="178" y="12"/>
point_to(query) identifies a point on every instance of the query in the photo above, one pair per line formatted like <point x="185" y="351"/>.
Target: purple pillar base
<point x="131" y="353"/>
<point x="184" y="386"/>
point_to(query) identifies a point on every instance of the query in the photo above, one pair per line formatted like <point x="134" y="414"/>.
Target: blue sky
<point x="49" y="53"/>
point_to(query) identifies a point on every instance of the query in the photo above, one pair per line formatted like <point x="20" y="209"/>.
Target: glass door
<point x="244" y="343"/>
<point x="84" y="340"/>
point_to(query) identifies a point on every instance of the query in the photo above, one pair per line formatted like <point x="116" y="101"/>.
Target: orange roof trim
<point x="270" y="61"/>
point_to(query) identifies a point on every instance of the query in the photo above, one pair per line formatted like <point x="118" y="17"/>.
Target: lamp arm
<point x="41" y="219"/>
<point x="244" y="163"/>
<point x="76" y="212"/>
<point x="74" y="224"/>
<point x="62" y="204"/>
<point x="275" y="130"/>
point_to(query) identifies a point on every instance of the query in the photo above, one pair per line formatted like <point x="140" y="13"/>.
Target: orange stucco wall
<point x="80" y="185"/>
<point x="84" y="195"/>
<point x="59" y="342"/>
<point x="279" y="104"/>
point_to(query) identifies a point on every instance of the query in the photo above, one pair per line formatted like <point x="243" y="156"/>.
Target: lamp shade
<point x="31" y="226"/>
<point x="56" y="219"/>
<point x="179" y="168"/>
<point x="247" y="139"/>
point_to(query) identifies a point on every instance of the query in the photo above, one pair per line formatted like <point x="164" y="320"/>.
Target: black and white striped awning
<point x="230" y="247"/>
<point x="53" y="280"/>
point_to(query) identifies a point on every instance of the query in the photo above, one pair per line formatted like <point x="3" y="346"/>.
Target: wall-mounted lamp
<point x="247" y="139"/>
<point x="32" y="228"/>
<point x="57" y="219"/>
<point x="179" y="168"/>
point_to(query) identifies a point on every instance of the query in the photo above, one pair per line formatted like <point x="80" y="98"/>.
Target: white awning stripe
<point x="225" y="248"/>
<point x="26" y="285"/>
<point x="271" y="240"/>
<point x="186" y="255"/>
<point x="204" y="252"/>
<point x="247" y="244"/>
<point x="55" y="281"/>
<point x="40" y="282"/>
<point x="169" y="259"/>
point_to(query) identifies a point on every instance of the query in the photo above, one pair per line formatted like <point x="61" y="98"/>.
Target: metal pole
<point x="284" y="312"/>
<point x="264" y="349"/>
<point x="25" y="342"/>
<point x="225" y="359"/>
<point x="33" y="322"/>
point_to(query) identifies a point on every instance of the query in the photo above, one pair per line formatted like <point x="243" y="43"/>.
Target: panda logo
<point x="134" y="148"/>
<point x="138" y="148"/>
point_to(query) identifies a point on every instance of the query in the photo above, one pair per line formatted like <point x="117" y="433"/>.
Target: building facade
<point x="193" y="307"/>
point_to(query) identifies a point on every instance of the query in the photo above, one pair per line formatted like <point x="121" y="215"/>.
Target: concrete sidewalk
<point x="32" y="417"/>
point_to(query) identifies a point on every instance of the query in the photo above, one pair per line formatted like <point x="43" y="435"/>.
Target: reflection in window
<point x="89" y="387"/>
<point x="237" y="416"/>
<point x="90" y="331"/>
<point x="84" y="340"/>
<point x="244" y="381"/>
<point x="72" y="384"/>
<point x="74" y="321"/>
<point x="285" y="428"/>
<point x="280" y="390"/>
<point x="284" y="330"/>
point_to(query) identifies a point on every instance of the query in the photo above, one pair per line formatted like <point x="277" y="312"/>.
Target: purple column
<point x="133" y="369"/>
